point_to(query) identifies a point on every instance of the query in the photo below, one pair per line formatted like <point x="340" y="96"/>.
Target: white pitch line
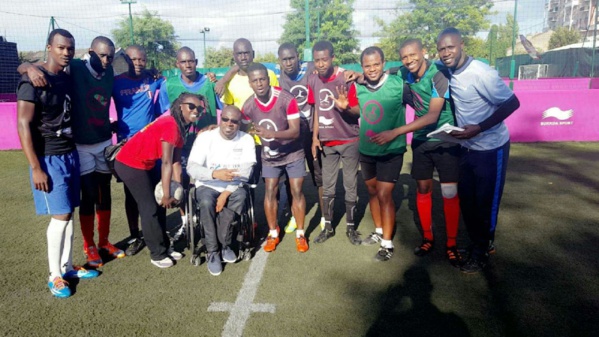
<point x="242" y="308"/>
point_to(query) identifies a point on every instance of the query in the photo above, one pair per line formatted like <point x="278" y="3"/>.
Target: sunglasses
<point x="199" y="108"/>
<point x="234" y="121"/>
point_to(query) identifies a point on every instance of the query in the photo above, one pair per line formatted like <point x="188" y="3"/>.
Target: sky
<point x="27" y="21"/>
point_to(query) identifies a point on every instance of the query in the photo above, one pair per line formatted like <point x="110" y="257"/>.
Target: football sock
<point x="451" y="208"/>
<point x="424" y="204"/>
<point x="328" y="225"/>
<point x="87" y="229"/>
<point x="55" y="234"/>
<point x="299" y="232"/>
<point x="103" y="227"/>
<point x="386" y="243"/>
<point x="66" y="260"/>
<point x="273" y="233"/>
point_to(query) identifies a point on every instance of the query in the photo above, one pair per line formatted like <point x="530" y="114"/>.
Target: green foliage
<point x="266" y="58"/>
<point x="157" y="36"/>
<point x="499" y="40"/>
<point x="222" y="57"/>
<point x="476" y="47"/>
<point x="329" y="20"/>
<point x="428" y="18"/>
<point x="563" y="36"/>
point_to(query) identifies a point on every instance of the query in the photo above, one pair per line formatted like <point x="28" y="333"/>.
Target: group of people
<point x="310" y="113"/>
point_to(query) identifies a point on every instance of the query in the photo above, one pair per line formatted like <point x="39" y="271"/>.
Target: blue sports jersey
<point x="135" y="103"/>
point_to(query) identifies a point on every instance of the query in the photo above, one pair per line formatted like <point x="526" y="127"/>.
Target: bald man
<point x="134" y="95"/>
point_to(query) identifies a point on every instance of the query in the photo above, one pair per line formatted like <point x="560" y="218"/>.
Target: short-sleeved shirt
<point x="135" y="103"/>
<point x="477" y="91"/>
<point x="275" y="115"/>
<point x="298" y="87"/>
<point x="238" y="90"/>
<point x="333" y="124"/>
<point x="91" y="103"/>
<point x="433" y="84"/>
<point x="171" y="88"/>
<point x="51" y="125"/>
<point x="381" y="109"/>
<point x="145" y="147"/>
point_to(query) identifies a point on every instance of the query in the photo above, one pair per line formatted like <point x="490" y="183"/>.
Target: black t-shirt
<point x="51" y="125"/>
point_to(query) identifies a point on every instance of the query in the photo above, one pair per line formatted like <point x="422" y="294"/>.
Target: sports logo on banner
<point x="562" y="116"/>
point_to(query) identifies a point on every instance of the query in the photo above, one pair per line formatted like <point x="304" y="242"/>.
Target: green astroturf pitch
<point x="543" y="280"/>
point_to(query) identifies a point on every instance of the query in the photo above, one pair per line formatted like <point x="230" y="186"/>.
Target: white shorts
<point x="91" y="157"/>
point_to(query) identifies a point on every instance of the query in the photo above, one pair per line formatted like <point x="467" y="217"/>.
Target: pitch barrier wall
<point x="551" y="110"/>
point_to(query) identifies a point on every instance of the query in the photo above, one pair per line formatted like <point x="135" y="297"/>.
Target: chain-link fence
<point x="210" y="28"/>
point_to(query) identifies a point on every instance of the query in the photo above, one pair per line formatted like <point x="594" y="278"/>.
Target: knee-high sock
<point x="451" y="208"/>
<point x="424" y="204"/>
<point x="66" y="260"/>
<point x="87" y="229"/>
<point x="103" y="227"/>
<point x="328" y="212"/>
<point x="350" y="212"/>
<point x="55" y="235"/>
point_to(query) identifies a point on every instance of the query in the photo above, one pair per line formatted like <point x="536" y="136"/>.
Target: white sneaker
<point x="164" y="263"/>
<point x="174" y="254"/>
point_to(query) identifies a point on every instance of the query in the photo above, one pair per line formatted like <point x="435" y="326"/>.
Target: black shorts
<point x="441" y="155"/>
<point x="384" y="168"/>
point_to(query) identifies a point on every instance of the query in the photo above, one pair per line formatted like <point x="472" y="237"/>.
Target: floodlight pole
<point x="307" y="51"/>
<point x="203" y="32"/>
<point x="513" y="60"/>
<point x="129" y="2"/>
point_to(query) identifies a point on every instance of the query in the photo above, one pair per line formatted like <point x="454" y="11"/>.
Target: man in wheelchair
<point x="220" y="160"/>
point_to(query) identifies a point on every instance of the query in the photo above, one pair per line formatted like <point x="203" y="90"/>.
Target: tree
<point x="563" y="36"/>
<point x="499" y="40"/>
<point x="428" y="18"/>
<point x="266" y="58"/>
<point x="220" y="58"/>
<point x="157" y="36"/>
<point x="329" y="20"/>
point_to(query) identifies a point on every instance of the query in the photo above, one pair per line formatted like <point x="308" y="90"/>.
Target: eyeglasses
<point x="234" y="121"/>
<point x="198" y="108"/>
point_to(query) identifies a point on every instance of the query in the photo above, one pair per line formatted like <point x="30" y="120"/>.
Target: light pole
<point x="513" y="61"/>
<point x="203" y="32"/>
<point x="129" y="2"/>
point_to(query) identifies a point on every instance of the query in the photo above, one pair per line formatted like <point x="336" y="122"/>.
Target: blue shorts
<point x="296" y="169"/>
<point x="63" y="181"/>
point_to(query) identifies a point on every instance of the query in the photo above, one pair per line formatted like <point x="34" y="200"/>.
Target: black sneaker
<point x="353" y="236"/>
<point x="475" y="264"/>
<point x="373" y="238"/>
<point x="492" y="249"/>
<point x="134" y="246"/>
<point x="425" y="247"/>
<point x="324" y="235"/>
<point x="454" y="257"/>
<point x="384" y="254"/>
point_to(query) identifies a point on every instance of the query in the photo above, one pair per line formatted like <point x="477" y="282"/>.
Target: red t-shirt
<point x="145" y="147"/>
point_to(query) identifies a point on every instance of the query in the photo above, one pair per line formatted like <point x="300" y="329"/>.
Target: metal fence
<point x="205" y="25"/>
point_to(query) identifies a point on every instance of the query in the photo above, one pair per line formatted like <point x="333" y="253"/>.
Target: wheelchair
<point x="244" y="230"/>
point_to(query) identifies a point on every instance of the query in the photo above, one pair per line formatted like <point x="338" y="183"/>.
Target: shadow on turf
<point x="406" y="310"/>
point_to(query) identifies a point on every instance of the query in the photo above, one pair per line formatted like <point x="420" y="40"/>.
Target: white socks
<point x="386" y="243"/>
<point x="66" y="260"/>
<point x="299" y="232"/>
<point x="379" y="231"/>
<point x="55" y="236"/>
<point x="273" y="233"/>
